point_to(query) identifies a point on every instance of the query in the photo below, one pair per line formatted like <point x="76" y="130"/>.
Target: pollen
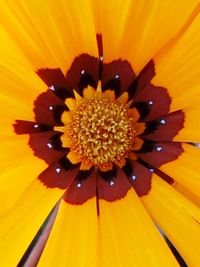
<point x="101" y="131"/>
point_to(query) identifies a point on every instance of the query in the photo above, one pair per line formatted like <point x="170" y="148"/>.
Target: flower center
<point x="101" y="131"/>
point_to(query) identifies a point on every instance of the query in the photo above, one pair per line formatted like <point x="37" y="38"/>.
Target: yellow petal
<point x="21" y="223"/>
<point x="177" y="68"/>
<point x="143" y="29"/>
<point x="78" y="98"/>
<point x="191" y="129"/>
<point x="74" y="238"/>
<point x="186" y="169"/>
<point x="43" y="39"/>
<point x="127" y="230"/>
<point x="178" y="217"/>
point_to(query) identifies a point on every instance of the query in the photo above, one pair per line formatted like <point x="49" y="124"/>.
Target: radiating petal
<point x="74" y="238"/>
<point x="126" y="236"/>
<point x="52" y="33"/>
<point x="143" y="29"/>
<point x="20" y="224"/>
<point x="186" y="169"/>
<point x="178" y="218"/>
<point x="177" y="68"/>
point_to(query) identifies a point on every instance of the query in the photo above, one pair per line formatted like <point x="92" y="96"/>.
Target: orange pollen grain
<point x="101" y="131"/>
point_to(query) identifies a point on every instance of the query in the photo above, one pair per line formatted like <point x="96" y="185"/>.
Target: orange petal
<point x="110" y="94"/>
<point x="132" y="156"/>
<point x="134" y="114"/>
<point x="105" y="168"/>
<point x="120" y="162"/>
<point x="73" y="157"/>
<point x="139" y="128"/>
<point x="85" y="165"/>
<point x="138" y="142"/>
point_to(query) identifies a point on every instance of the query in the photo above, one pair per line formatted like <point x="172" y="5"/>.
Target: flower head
<point x="99" y="115"/>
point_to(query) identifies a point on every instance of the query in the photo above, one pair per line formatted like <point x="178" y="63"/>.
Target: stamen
<point x="82" y="71"/>
<point x="117" y="76"/>
<point x="79" y="185"/>
<point x="159" y="148"/>
<point x="133" y="177"/>
<point x="50" y="107"/>
<point x="163" y="121"/>
<point x="52" y="88"/>
<point x="58" y="170"/>
<point x="112" y="183"/>
<point x="150" y="102"/>
<point x="36" y="126"/>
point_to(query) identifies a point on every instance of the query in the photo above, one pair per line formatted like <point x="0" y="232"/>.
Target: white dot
<point x="49" y="145"/>
<point x="101" y="58"/>
<point x="133" y="177"/>
<point x="151" y="170"/>
<point x="159" y="148"/>
<point x="52" y="88"/>
<point x="117" y="76"/>
<point x="78" y="185"/>
<point x="112" y="183"/>
<point x="150" y="102"/>
<point x="82" y="72"/>
<point x="58" y="170"/>
<point x="36" y="126"/>
<point x="163" y="121"/>
<point x="50" y="107"/>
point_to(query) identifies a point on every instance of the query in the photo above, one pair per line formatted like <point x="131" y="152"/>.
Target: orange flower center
<point x="101" y="131"/>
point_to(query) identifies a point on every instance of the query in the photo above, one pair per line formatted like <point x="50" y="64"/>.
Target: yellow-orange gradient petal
<point x="177" y="68"/>
<point x="139" y="128"/>
<point x="144" y="27"/>
<point x="22" y="221"/>
<point x="66" y="117"/>
<point x="186" y="169"/>
<point x="85" y="165"/>
<point x="65" y="139"/>
<point x="128" y="237"/>
<point x="123" y="98"/>
<point x="78" y="98"/>
<point x="109" y="94"/>
<point x="51" y="33"/>
<point x="191" y="129"/>
<point x="88" y="92"/>
<point x="71" y="103"/>
<point x="138" y="142"/>
<point x="183" y="190"/>
<point x="178" y="217"/>
<point x="74" y="238"/>
<point x="134" y="114"/>
<point x="74" y="157"/>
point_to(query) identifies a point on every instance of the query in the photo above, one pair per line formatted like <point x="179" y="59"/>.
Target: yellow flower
<point x="99" y="104"/>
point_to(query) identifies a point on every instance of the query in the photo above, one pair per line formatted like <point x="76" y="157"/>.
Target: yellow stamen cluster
<point x="101" y="131"/>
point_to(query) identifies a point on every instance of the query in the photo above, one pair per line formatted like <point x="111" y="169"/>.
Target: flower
<point x="117" y="151"/>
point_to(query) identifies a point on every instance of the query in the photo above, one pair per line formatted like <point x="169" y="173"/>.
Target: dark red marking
<point x="28" y="127"/>
<point x="116" y="191"/>
<point x="43" y="115"/>
<point x="100" y="44"/>
<point x="139" y="176"/>
<point x="169" y="152"/>
<point x="121" y="68"/>
<point x="76" y="79"/>
<point x="160" y="102"/>
<point x="60" y="179"/>
<point x="142" y="80"/>
<point x="38" y="143"/>
<point x="164" y="176"/>
<point x="166" y="131"/>
<point x="87" y="190"/>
